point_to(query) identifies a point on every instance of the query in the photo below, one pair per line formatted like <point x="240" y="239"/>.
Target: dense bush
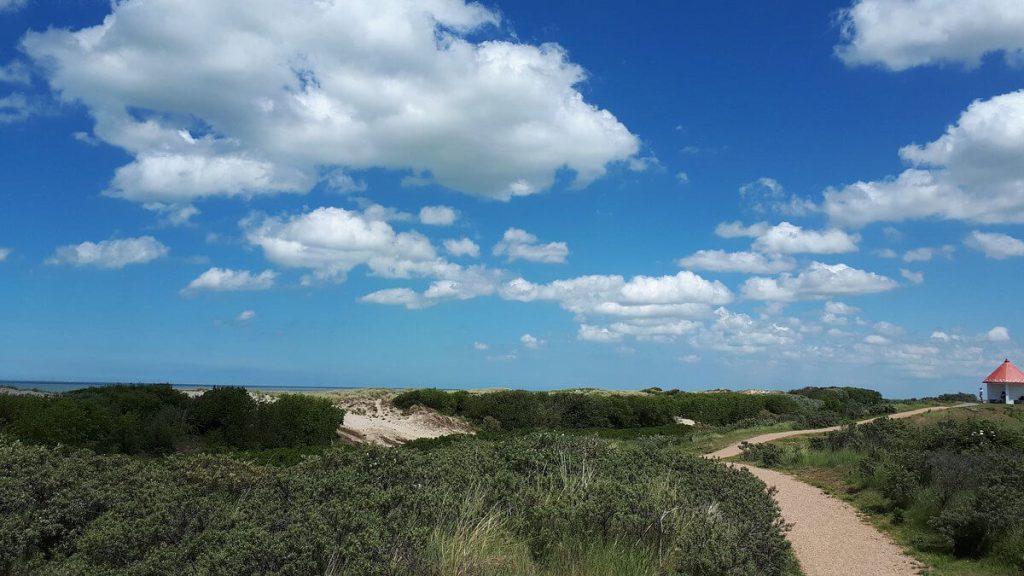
<point x="957" y="397"/>
<point x="959" y="480"/>
<point x="765" y="454"/>
<point x="521" y="505"/>
<point x="156" y="419"/>
<point x="837" y="405"/>
<point x="518" y="409"/>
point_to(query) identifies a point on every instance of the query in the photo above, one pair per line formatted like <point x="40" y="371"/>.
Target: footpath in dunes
<point x="829" y="537"/>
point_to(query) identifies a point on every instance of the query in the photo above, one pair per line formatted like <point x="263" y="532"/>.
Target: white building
<point x="1006" y="385"/>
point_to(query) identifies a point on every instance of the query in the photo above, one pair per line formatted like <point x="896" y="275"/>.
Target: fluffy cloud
<point x="738" y="230"/>
<point x="738" y="333"/>
<point x="15" y="73"/>
<point x="462" y="247"/>
<point x="480" y="346"/>
<point x="645" y="307"/>
<point x="531" y="342"/>
<point x="996" y="246"/>
<point x="396" y="296"/>
<point x="927" y="253"/>
<point x="613" y="295"/>
<point x="206" y="106"/>
<point x="332" y="241"/>
<point x="110" y="253"/>
<point x="14" y="108"/>
<point x="597" y="334"/>
<point x="909" y="33"/>
<point x="911" y="276"/>
<point x="519" y="244"/>
<point x="767" y="195"/>
<point x="227" y="280"/>
<point x="746" y="262"/>
<point x="836" y="313"/>
<point x="973" y="172"/>
<point x="246" y="315"/>
<point x="999" y="334"/>
<point x="12" y="5"/>
<point x="786" y="238"/>
<point x="438" y="215"/>
<point x="4" y="253"/>
<point x="817" y="281"/>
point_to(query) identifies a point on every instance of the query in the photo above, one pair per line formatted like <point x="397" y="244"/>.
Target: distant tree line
<point x="519" y="409"/>
<point x="157" y="419"/>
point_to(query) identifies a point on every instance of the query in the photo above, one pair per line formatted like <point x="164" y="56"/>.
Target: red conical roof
<point x="1006" y="374"/>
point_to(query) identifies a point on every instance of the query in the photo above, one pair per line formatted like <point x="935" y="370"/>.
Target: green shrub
<point x="158" y="420"/>
<point x="765" y="454"/>
<point x="539" y="503"/>
<point x="523" y="410"/>
<point x="957" y="481"/>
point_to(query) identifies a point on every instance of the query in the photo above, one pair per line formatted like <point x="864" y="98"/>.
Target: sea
<point x="54" y="387"/>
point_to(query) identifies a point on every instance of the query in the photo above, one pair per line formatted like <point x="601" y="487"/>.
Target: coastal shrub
<point x="129" y="419"/>
<point x="765" y="454"/>
<point x="155" y="419"/>
<point x="540" y="503"/>
<point x="519" y="409"/>
<point x="957" y="481"/>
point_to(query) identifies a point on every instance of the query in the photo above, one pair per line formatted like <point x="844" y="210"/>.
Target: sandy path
<point x="734" y="449"/>
<point x="829" y="536"/>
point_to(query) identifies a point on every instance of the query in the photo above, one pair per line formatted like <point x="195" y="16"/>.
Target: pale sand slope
<point x="370" y="418"/>
<point x="829" y="536"/>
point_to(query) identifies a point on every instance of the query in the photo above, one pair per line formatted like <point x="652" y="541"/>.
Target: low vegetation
<point x="948" y="485"/>
<point x="146" y="480"/>
<point x="519" y="409"/>
<point x="158" y="420"/>
<point x="535" y="504"/>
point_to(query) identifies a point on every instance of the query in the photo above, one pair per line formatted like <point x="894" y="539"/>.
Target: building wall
<point x="995" y="392"/>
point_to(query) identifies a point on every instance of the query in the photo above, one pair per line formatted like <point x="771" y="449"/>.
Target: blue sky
<point x="686" y="195"/>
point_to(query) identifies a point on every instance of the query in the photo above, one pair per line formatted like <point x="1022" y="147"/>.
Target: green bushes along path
<point x="535" y="504"/>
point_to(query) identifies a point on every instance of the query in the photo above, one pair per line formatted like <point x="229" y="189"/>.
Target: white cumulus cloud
<point x="644" y="307"/>
<point x="12" y="5"/>
<point x="332" y="241"/>
<point x="818" y="280"/>
<point x="995" y="246"/>
<point x="973" y="172"/>
<point x="4" y="253"/>
<point x="911" y="276"/>
<point x="212" y="104"/>
<point x="531" y="342"/>
<point x="438" y="215"/>
<point x="246" y="315"/>
<point x="739" y="230"/>
<point x="999" y="334"/>
<point x="786" y="238"/>
<point x="745" y="262"/>
<point x="902" y="34"/>
<point x="116" y="253"/>
<point x="462" y="247"/>
<point x="228" y="280"/>
<point x="519" y="244"/>
<point x="767" y="195"/>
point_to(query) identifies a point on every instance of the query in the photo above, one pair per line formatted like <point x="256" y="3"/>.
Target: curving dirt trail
<point x="829" y="537"/>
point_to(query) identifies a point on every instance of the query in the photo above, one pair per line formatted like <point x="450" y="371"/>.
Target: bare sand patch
<point x="371" y="418"/>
